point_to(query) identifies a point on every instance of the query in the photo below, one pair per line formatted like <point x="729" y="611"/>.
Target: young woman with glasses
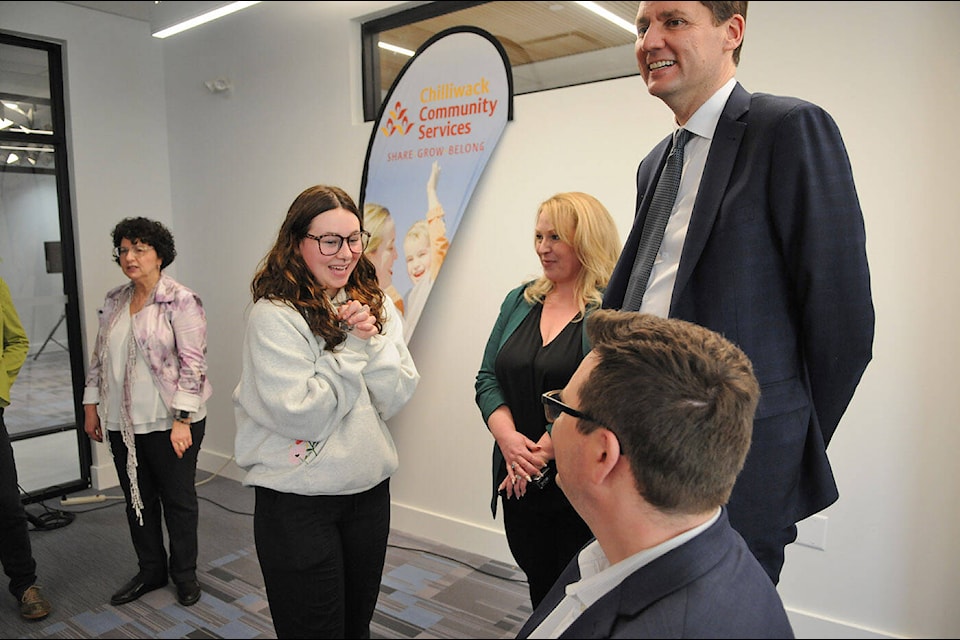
<point x="535" y="346"/>
<point x="324" y="365"/>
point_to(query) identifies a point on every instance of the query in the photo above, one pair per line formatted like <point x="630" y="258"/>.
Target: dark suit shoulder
<point x="768" y="106"/>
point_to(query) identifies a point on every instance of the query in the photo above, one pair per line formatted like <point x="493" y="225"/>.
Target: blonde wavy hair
<point x="375" y="217"/>
<point x="585" y="224"/>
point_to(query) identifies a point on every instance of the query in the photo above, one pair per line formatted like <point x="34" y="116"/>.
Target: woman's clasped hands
<point x="355" y="318"/>
<point x="526" y="460"/>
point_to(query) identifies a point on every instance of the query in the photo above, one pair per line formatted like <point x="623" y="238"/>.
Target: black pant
<point x="770" y="548"/>
<point x="169" y="494"/>
<point x="322" y="560"/>
<point x="544" y="533"/>
<point x="16" y="554"/>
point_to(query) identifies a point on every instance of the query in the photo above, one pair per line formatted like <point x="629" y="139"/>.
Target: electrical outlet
<point x="66" y="502"/>
<point x="812" y="532"/>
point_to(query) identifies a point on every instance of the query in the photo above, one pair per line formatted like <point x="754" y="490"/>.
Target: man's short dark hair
<point x="681" y="400"/>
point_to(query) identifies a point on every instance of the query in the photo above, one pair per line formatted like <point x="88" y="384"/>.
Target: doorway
<point x="37" y="261"/>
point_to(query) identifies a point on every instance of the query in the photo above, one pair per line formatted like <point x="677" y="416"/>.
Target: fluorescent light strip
<point x="396" y="49"/>
<point x="603" y="13"/>
<point x="233" y="7"/>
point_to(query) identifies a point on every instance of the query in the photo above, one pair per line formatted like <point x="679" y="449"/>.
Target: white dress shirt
<point x="702" y="124"/>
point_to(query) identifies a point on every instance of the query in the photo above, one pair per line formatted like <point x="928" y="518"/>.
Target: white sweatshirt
<point x="310" y="421"/>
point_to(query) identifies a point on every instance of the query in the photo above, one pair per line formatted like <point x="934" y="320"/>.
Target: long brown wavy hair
<point x="283" y="275"/>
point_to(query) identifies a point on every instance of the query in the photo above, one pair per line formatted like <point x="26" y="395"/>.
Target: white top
<point x="148" y="413"/>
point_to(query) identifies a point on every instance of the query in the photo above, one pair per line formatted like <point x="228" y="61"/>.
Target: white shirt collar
<point x="598" y="576"/>
<point x="704" y="120"/>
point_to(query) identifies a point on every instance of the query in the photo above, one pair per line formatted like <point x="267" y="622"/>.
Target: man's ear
<point x="734" y="32"/>
<point x="607" y="453"/>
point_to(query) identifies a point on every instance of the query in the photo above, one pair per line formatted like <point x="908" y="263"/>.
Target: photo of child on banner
<point x="444" y="114"/>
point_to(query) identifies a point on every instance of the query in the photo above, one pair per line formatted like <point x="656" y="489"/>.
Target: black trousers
<point x="544" y="533"/>
<point x="322" y="560"/>
<point x="16" y="555"/>
<point x="169" y="493"/>
<point x="770" y="548"/>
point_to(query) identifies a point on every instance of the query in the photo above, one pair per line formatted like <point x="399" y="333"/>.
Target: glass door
<point x="44" y="418"/>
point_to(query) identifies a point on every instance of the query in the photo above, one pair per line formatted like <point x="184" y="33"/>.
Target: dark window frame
<point x="370" y="53"/>
<point x="547" y="70"/>
<point x="58" y="140"/>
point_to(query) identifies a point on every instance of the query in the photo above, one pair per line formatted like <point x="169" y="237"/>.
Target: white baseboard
<point x="810" y="625"/>
<point x="469" y="536"/>
<point x="104" y="476"/>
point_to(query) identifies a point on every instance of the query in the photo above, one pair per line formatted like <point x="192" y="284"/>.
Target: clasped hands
<point x="526" y="461"/>
<point x="356" y="318"/>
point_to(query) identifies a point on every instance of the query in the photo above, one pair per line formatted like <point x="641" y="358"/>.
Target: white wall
<point x="149" y="139"/>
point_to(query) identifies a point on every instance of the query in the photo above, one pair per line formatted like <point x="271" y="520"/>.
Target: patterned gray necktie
<point x="663" y="199"/>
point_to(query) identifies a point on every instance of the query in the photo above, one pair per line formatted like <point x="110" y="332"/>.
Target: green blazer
<point x="489" y="396"/>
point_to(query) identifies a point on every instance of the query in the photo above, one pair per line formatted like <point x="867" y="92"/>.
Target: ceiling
<point x="533" y="30"/>
<point x="135" y="10"/>
<point x="530" y="32"/>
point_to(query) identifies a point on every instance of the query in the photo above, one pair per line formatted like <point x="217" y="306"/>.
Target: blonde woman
<point x="535" y="346"/>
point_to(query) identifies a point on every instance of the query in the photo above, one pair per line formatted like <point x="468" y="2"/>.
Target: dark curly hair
<point x="146" y="231"/>
<point x="284" y="276"/>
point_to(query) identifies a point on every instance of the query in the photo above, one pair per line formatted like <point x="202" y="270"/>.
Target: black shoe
<point x="134" y="589"/>
<point x="188" y="593"/>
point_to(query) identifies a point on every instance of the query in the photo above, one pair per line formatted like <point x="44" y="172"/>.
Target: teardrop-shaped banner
<point x="436" y="129"/>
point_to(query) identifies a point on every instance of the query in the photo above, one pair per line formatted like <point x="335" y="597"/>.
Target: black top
<point x="525" y="369"/>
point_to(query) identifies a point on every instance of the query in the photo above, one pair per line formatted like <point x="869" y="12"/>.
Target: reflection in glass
<point x="36" y="261"/>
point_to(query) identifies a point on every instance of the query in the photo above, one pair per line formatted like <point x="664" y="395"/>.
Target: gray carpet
<point x="428" y="590"/>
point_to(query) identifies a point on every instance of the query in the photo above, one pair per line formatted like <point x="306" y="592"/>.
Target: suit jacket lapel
<point x="671" y="572"/>
<point x="713" y="185"/>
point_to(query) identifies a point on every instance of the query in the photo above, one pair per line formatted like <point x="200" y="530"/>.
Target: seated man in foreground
<point x="649" y="436"/>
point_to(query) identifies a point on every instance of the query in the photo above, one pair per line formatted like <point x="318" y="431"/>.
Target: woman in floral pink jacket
<point x="147" y="388"/>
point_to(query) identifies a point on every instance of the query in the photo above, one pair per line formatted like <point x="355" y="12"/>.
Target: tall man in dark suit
<point x="649" y="435"/>
<point x="765" y="244"/>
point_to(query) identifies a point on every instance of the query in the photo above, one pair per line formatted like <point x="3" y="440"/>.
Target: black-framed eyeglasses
<point x="553" y="407"/>
<point x="330" y="243"/>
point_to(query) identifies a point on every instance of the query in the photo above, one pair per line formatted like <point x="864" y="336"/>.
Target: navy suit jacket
<point x="775" y="260"/>
<point x="708" y="587"/>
